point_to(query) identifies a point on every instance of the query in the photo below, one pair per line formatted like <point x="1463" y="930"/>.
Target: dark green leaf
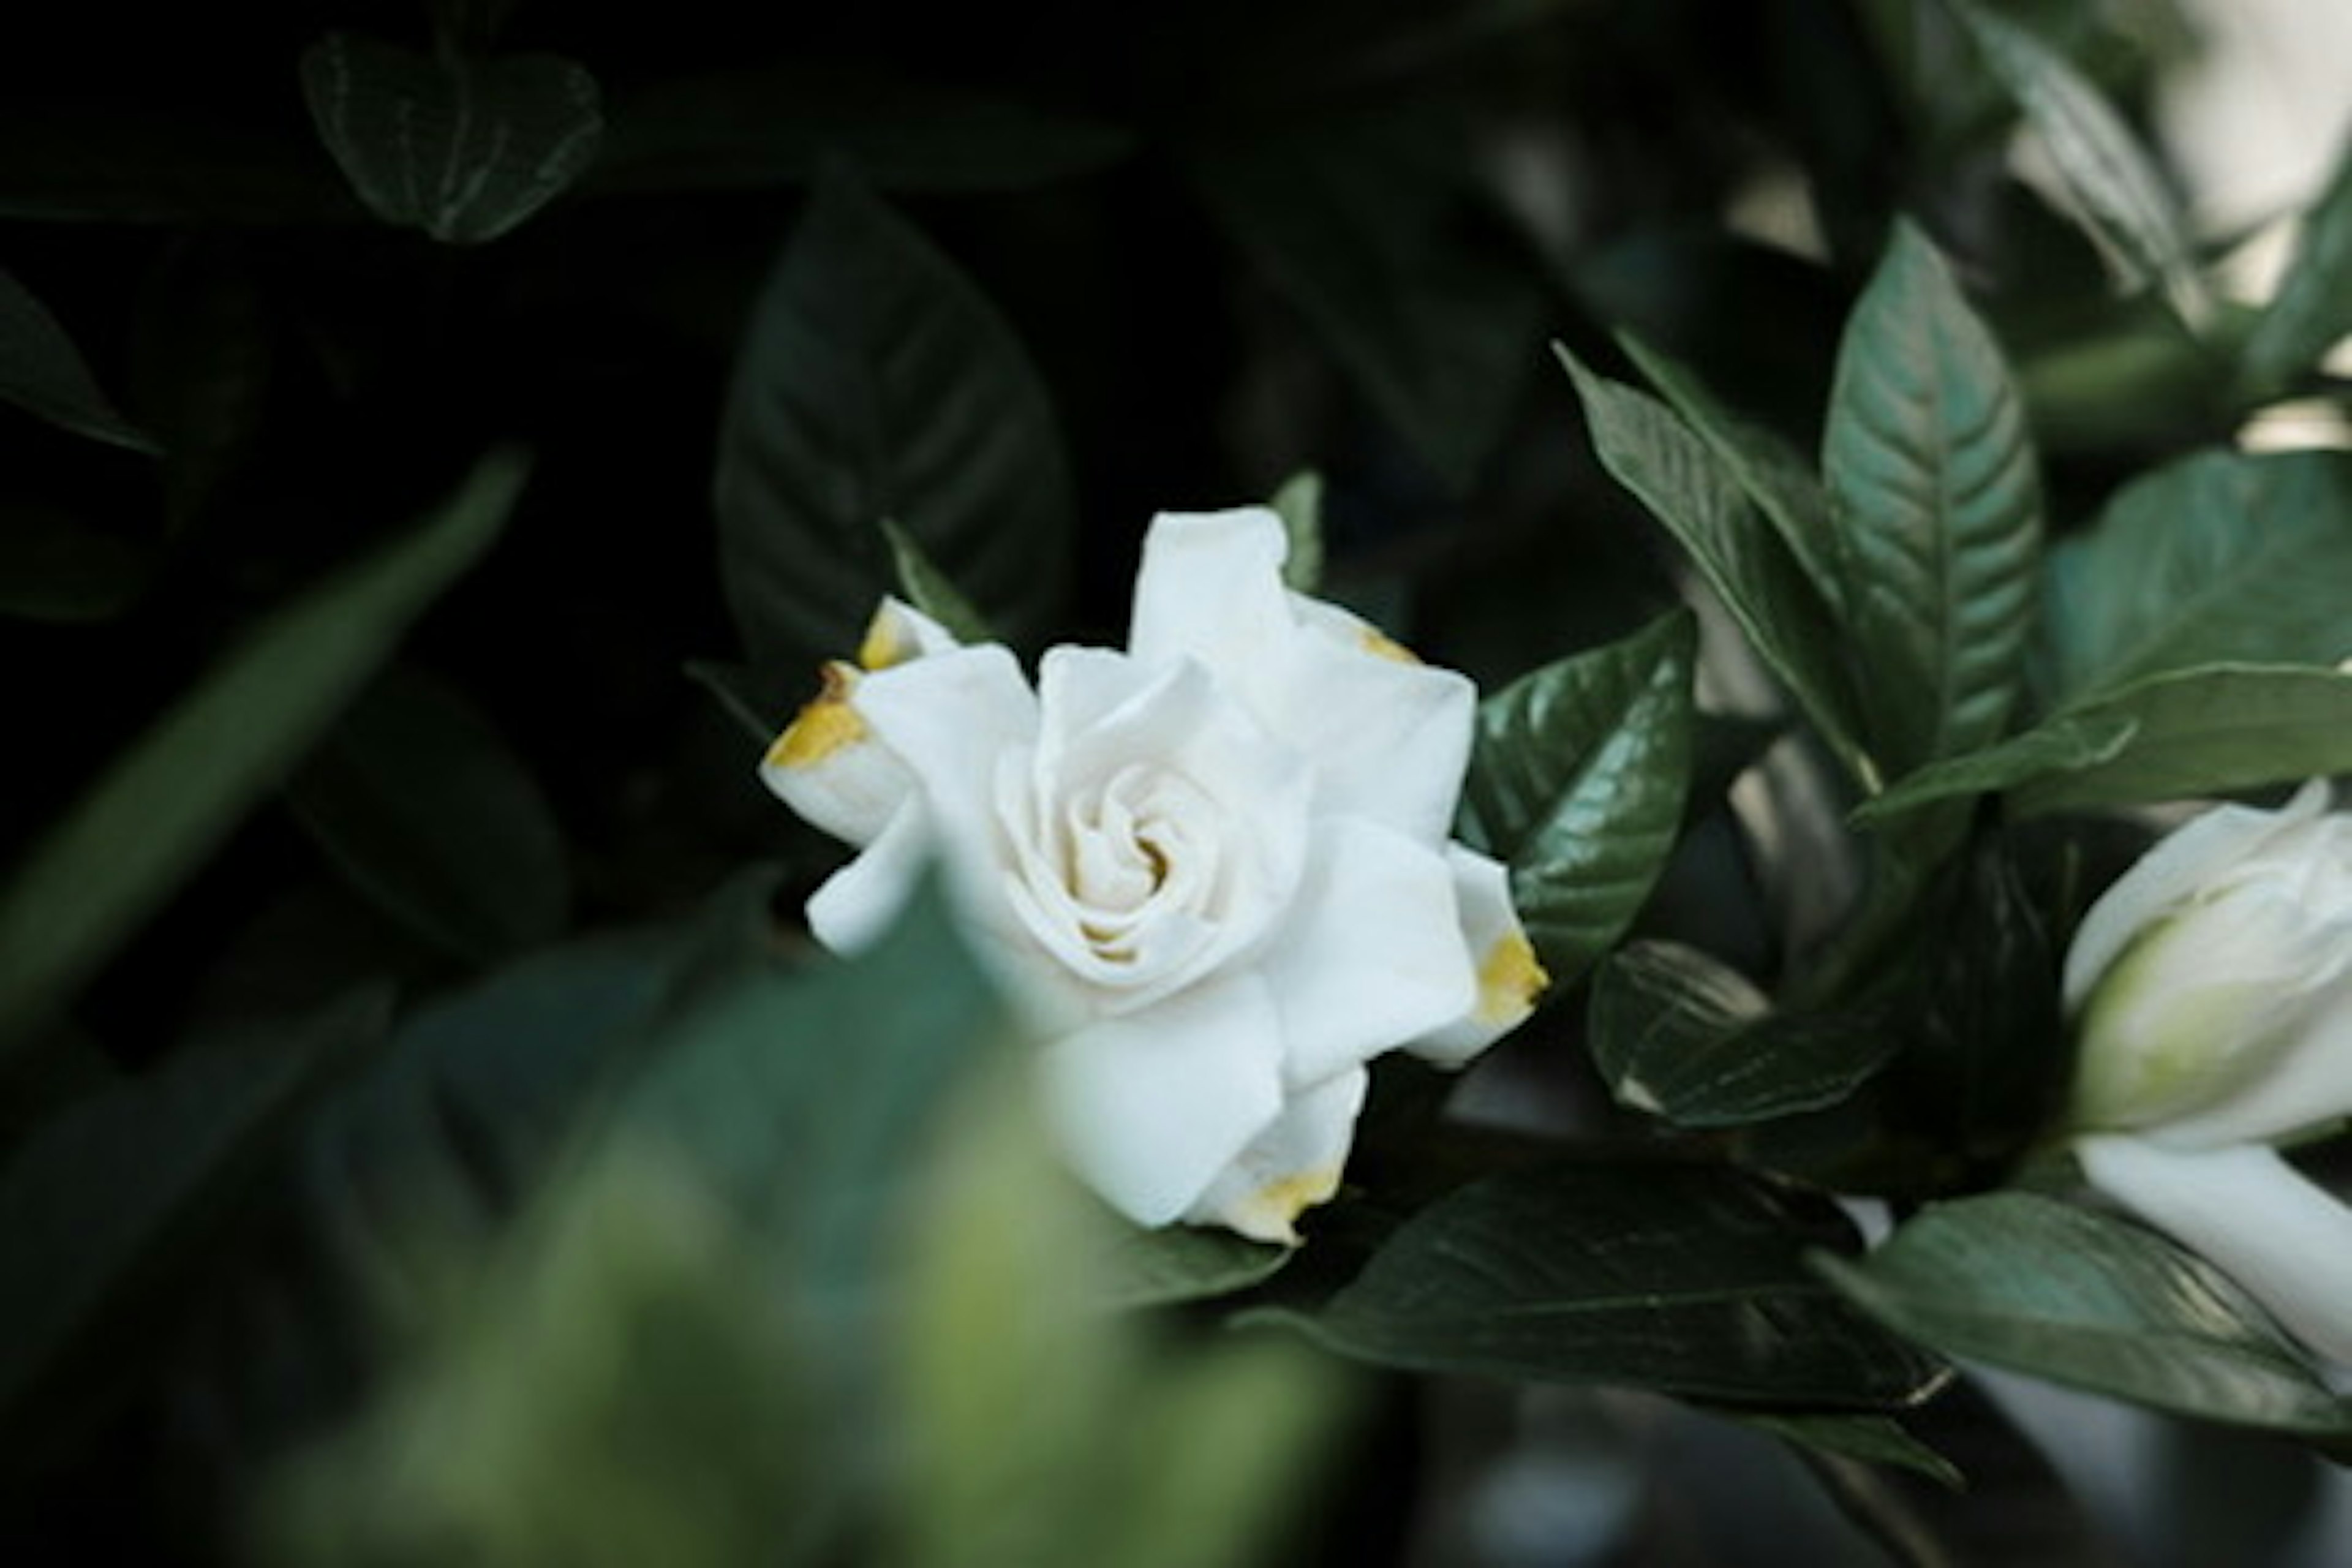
<point x="2066" y="744"/>
<point x="2313" y="307"/>
<point x="125" y="158"/>
<point x="42" y="372"/>
<point x="425" y="806"/>
<point x="1577" y="777"/>
<point x="1299" y="504"/>
<point x="55" y="567"/>
<point x="2211" y="730"/>
<point x="1652" y="454"/>
<point x="2107" y="174"/>
<point x="164" y="803"/>
<point x="2053" y="1290"/>
<point x="1681" y="1036"/>
<point x="1181" y="1263"/>
<point x="778" y="124"/>
<point x="928" y="588"/>
<point x="760" y="705"/>
<point x="1684" y="1280"/>
<point x="1874" y="1439"/>
<point x="1376" y="225"/>
<point x="462" y="147"/>
<point x="2221" y="557"/>
<point x="101" y="1211"/>
<point x="876" y="382"/>
<point x="1939" y="514"/>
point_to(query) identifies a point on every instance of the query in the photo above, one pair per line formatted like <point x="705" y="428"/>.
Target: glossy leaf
<point x="164" y="803"/>
<point x="422" y="804"/>
<point x="1873" y="1439"/>
<point x="1684" y="1037"/>
<point x="1647" y="449"/>
<point x="2066" y="744"/>
<point x="42" y="372"/>
<point x="1577" y="778"/>
<point x="876" y="382"/>
<point x="1939" y="512"/>
<point x="2107" y="174"/>
<point x="1137" y="1267"/>
<point x="1683" y="1279"/>
<point x="2312" y="310"/>
<point x="464" y="148"/>
<point x="2221" y="557"/>
<point x="2210" y="730"/>
<point x="2062" y="1293"/>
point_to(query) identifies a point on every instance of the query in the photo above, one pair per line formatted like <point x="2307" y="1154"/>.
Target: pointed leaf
<point x="1577" y="778"/>
<point x="1652" y="454"/>
<point x="464" y="148"/>
<point x="1181" y="1263"/>
<point x="1938" y="512"/>
<point x="1684" y="1279"/>
<point x="42" y="372"/>
<point x="2066" y="744"/>
<point x="2211" y="730"/>
<point x="1682" y="1037"/>
<point x="876" y="382"/>
<point x="2058" y="1292"/>
<point x="163" y="806"/>
<point x="2221" y="557"/>
<point x="928" y="589"/>
<point x="2312" y="310"/>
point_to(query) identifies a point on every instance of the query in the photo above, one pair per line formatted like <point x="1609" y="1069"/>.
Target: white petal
<point x="1390" y="736"/>
<point x="899" y="633"/>
<point x="949" y="717"/>
<point x="1210" y="588"/>
<point x="2287" y="1242"/>
<point x="2176" y="869"/>
<point x="1372" y="956"/>
<point x="1288" y="1168"/>
<point x="1151" y="1106"/>
<point x="1510" y="978"/>
<point x="2305" y="1083"/>
<point x="857" y="903"/>
<point x="828" y="766"/>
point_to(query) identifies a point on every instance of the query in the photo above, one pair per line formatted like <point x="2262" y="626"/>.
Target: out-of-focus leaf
<point x="1652" y="454"/>
<point x="164" y="803"/>
<point x="2209" y="730"/>
<point x="463" y="148"/>
<point x="758" y="704"/>
<point x="121" y="159"/>
<point x="1681" y="1036"/>
<point x="2058" y="1292"/>
<point x="1181" y="1263"/>
<point x="1939" y="512"/>
<point x="42" y="372"/>
<point x="1685" y="1280"/>
<point x="1576" y="781"/>
<point x="1299" y="504"/>
<point x="1874" y="1439"/>
<point x="104" y="1210"/>
<point x="1375" y="226"/>
<point x="777" y="125"/>
<point x="2221" y="557"/>
<point x="55" y="567"/>
<point x="2068" y="743"/>
<point x="2312" y="310"/>
<point x="876" y="382"/>
<point x="2107" y="175"/>
<point x="204" y="361"/>
<point x="417" y="798"/>
<point x="928" y="588"/>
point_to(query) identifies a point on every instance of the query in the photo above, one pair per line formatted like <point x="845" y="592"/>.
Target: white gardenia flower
<point x="2212" y="986"/>
<point x="1214" y="869"/>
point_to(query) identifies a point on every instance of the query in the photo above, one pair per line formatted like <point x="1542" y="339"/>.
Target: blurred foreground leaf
<point x="2058" y="1292"/>
<point x="2312" y="310"/>
<point x="163" y="804"/>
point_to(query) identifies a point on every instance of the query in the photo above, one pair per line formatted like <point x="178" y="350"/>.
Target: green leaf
<point x="1689" y="1280"/>
<point x="1938" y="512"/>
<point x="464" y="148"/>
<point x="2107" y="177"/>
<point x="1299" y="504"/>
<point x="2219" y="558"/>
<point x="42" y="372"/>
<point x="123" y="156"/>
<point x="104" y="1210"/>
<point x="55" y="567"/>
<point x="1577" y="777"/>
<point x="760" y="705"/>
<point x="876" y="382"/>
<point x="1681" y="1036"/>
<point x="151" y="818"/>
<point x="2055" y="1291"/>
<point x="777" y="125"/>
<point x="1652" y="454"/>
<point x="1874" y="1439"/>
<point x="423" y="805"/>
<point x="2066" y="744"/>
<point x="2212" y="730"/>
<point x="928" y="588"/>
<point x="2312" y="310"/>
<point x="1137" y="1267"/>
<point x="1374" y="223"/>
